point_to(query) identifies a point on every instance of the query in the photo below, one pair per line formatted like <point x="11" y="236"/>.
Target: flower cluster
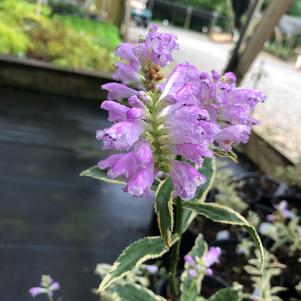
<point x="197" y="266"/>
<point x="48" y="286"/>
<point x="171" y="126"/>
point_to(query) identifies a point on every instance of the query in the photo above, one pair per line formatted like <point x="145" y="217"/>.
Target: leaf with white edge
<point x="132" y="292"/>
<point x="227" y="294"/>
<point x="96" y="173"/>
<point x="164" y="209"/>
<point x="191" y="286"/>
<point x="208" y="170"/>
<point x="134" y="255"/>
<point x="225" y="215"/>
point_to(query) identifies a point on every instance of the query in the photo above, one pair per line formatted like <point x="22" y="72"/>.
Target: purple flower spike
<point x="170" y="127"/>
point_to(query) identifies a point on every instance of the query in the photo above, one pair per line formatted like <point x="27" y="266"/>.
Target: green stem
<point x="175" y="252"/>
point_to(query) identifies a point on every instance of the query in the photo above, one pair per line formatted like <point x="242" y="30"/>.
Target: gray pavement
<point x="280" y="116"/>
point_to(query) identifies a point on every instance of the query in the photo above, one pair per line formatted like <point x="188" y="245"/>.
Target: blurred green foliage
<point x="67" y="41"/>
<point x="295" y="8"/>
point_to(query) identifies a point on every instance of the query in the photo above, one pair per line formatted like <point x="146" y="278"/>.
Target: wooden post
<point x="126" y="21"/>
<point x="111" y="10"/>
<point x="233" y="61"/>
<point x="262" y="32"/>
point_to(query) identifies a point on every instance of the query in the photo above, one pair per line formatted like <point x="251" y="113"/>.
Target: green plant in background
<point x="16" y="17"/>
<point x="227" y="189"/>
<point x="262" y="282"/>
<point x="67" y="41"/>
<point x="290" y="174"/>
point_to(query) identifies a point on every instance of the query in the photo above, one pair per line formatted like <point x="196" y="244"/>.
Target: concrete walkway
<point x="281" y="115"/>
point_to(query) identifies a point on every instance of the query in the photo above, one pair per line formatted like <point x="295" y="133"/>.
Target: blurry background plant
<point x="226" y="188"/>
<point x="291" y="174"/>
<point x="262" y="281"/>
<point x="68" y="41"/>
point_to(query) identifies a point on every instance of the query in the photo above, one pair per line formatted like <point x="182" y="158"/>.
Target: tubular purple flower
<point x="121" y="135"/>
<point x="193" y="152"/>
<point x="141" y="182"/>
<point x="128" y="74"/>
<point x="212" y="256"/>
<point x="186" y="179"/>
<point x="231" y="135"/>
<point x="117" y="111"/>
<point x="118" y="91"/>
<point x="126" y="52"/>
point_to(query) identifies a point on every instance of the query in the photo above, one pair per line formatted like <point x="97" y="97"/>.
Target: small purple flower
<point x="231" y="135"/>
<point x="192" y="273"/>
<point x="189" y="260"/>
<point x="48" y="286"/>
<point x="282" y="207"/>
<point x="211" y="257"/>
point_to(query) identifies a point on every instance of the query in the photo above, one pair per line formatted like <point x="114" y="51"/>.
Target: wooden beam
<point x="262" y="32"/>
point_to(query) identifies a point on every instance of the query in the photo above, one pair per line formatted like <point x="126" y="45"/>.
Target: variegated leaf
<point x="135" y="254"/>
<point x="225" y="215"/>
<point x="190" y="287"/>
<point x="164" y="209"/>
<point x="96" y="173"/>
<point x="226" y="294"/>
<point x="131" y="292"/>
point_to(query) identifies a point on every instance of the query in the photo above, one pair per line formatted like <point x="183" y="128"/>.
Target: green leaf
<point x="135" y="254"/>
<point x="190" y="287"/>
<point x="208" y="170"/>
<point x="96" y="173"/>
<point x="164" y="209"/>
<point x="131" y="292"/>
<point x="226" y="294"/>
<point x="225" y="215"/>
